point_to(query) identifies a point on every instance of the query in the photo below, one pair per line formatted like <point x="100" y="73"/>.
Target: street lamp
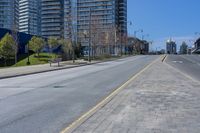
<point x="147" y="35"/>
<point x="85" y="35"/>
<point x="28" y="61"/>
<point x="89" y="59"/>
<point x="135" y="32"/>
<point x="151" y="47"/>
<point x="130" y="23"/>
<point x="193" y="44"/>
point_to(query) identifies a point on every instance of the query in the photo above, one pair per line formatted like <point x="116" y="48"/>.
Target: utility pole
<point x="147" y="35"/>
<point x="89" y="59"/>
<point x="28" y="62"/>
<point x="120" y="34"/>
<point x="115" y="40"/>
<point x="135" y="32"/>
<point x="74" y="36"/>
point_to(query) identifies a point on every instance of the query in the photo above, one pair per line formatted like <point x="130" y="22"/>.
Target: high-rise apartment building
<point x="9" y="13"/>
<point x="30" y="17"/>
<point x="82" y="14"/>
<point x="52" y="18"/>
<point x="171" y="47"/>
<point x="121" y="8"/>
<point x="72" y="18"/>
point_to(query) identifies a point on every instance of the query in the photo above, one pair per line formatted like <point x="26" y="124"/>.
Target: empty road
<point x="48" y="102"/>
<point x="188" y="64"/>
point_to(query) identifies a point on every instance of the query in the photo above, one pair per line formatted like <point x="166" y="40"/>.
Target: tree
<point x="78" y="50"/>
<point x="53" y="42"/>
<point x="36" y="44"/>
<point x="7" y="49"/>
<point x="183" y="48"/>
<point x="14" y="34"/>
<point x="66" y="46"/>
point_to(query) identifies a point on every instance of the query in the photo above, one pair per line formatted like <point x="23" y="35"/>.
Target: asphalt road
<point x="48" y="102"/>
<point x="188" y="64"/>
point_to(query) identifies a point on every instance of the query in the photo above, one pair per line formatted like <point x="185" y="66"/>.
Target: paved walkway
<point x="17" y="71"/>
<point x="161" y="100"/>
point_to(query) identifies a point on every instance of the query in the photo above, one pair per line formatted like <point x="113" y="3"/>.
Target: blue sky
<point x="162" y="19"/>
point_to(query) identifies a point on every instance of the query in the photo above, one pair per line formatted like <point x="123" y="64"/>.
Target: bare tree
<point x="66" y="47"/>
<point x="15" y="36"/>
<point x="71" y="30"/>
<point x="95" y="35"/>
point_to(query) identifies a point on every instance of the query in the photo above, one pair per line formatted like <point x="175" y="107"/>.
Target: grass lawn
<point x="35" y="60"/>
<point x="104" y="57"/>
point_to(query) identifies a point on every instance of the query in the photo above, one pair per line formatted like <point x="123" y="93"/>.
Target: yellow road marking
<point x="164" y="58"/>
<point x="88" y="114"/>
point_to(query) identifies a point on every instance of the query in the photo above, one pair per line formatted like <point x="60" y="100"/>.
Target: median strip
<point x="92" y="111"/>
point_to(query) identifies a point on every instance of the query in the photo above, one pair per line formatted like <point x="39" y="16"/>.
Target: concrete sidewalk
<point x="34" y="69"/>
<point x="160" y="100"/>
<point x="26" y="70"/>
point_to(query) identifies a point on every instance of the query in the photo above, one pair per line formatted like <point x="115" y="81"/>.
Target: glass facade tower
<point x="81" y="14"/>
<point x="29" y="16"/>
<point x="9" y="14"/>
<point x="52" y="18"/>
<point x="70" y="18"/>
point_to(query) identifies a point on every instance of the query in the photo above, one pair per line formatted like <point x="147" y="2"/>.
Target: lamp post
<point x="192" y="41"/>
<point x="89" y="52"/>
<point x="147" y="35"/>
<point x="194" y="46"/>
<point x="135" y="32"/>
<point x="121" y="40"/>
<point x="28" y="62"/>
<point x="151" y="47"/>
<point x="126" y="47"/>
<point x="85" y="36"/>
<point x="130" y="23"/>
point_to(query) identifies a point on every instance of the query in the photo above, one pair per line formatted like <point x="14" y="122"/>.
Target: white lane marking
<point x="181" y="62"/>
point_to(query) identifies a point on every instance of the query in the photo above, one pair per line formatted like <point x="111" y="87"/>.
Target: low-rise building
<point x="196" y="49"/>
<point x="138" y="46"/>
<point x="144" y="47"/>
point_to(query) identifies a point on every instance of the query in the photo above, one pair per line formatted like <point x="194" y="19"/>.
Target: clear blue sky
<point x="163" y="19"/>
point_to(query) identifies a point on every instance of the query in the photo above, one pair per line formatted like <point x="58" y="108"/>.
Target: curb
<point x="57" y="69"/>
<point x="43" y="71"/>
